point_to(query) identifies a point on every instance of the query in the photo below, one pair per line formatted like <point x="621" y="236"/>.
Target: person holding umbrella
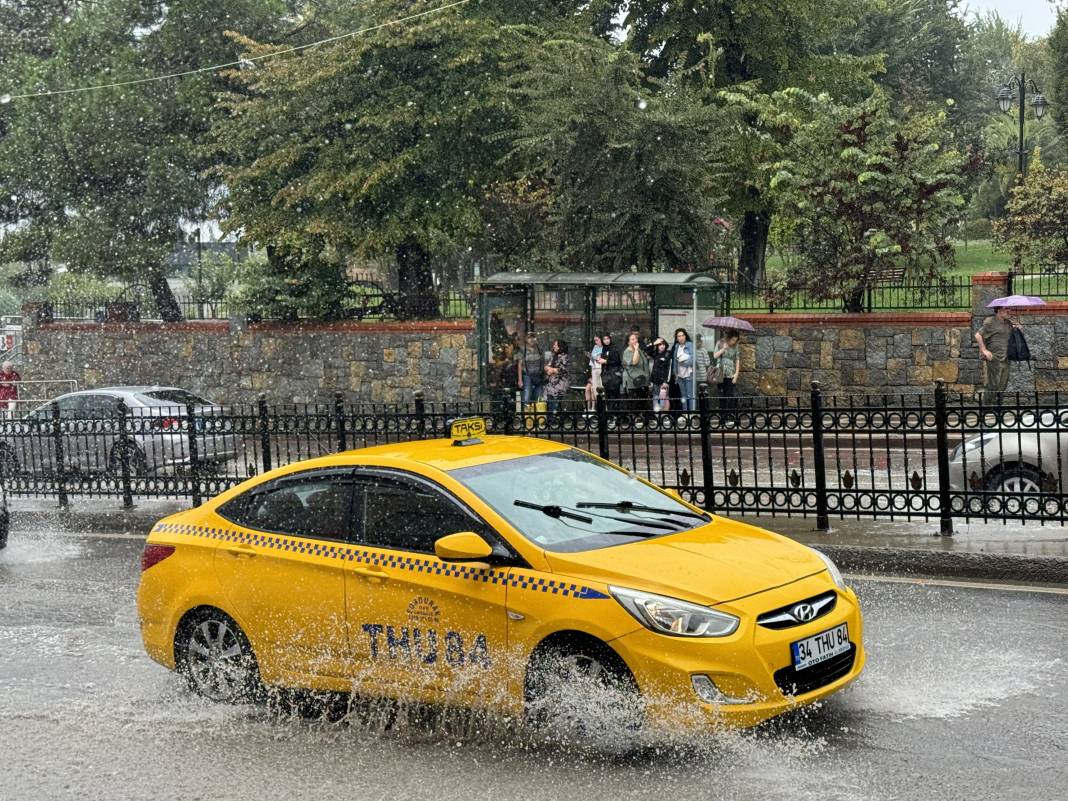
<point x="993" y="340"/>
<point x="726" y="364"/>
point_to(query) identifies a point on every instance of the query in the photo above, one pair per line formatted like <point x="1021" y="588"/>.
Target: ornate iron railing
<point x="932" y="456"/>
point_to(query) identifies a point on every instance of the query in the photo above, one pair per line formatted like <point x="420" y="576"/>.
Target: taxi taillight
<point x="154" y="554"/>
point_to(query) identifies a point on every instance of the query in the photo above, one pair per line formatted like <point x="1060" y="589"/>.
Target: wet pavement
<point x="965" y="696"/>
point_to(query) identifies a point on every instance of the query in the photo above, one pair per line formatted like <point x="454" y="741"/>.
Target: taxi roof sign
<point x="467" y="430"/>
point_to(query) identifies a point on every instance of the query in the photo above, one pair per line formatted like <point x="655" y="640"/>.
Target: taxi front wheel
<point x="582" y="689"/>
<point x="216" y="659"/>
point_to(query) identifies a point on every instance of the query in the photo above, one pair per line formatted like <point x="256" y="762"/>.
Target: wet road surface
<point x="965" y="696"/>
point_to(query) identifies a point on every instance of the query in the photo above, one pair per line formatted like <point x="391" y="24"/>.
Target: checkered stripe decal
<point x="416" y="564"/>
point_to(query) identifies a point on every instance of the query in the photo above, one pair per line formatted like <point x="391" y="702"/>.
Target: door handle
<point x="371" y="573"/>
<point x="241" y="550"/>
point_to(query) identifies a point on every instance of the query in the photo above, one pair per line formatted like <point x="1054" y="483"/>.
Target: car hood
<point x="713" y="564"/>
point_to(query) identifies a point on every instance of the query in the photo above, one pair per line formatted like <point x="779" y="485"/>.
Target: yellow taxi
<point x="512" y="573"/>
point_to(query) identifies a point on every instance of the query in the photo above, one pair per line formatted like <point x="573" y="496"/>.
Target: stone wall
<point x="386" y="362"/>
<point x="228" y="362"/>
<point x="858" y="353"/>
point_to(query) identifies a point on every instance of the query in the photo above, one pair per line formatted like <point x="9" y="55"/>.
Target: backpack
<point x="1018" y="350"/>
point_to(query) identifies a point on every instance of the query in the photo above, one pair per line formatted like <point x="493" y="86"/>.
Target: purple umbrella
<point x="727" y="322"/>
<point x="1016" y="302"/>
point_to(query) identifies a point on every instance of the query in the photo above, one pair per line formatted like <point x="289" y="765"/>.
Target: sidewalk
<point x="988" y="551"/>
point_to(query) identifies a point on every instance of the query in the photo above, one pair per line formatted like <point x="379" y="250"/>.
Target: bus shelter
<point x="574" y="307"/>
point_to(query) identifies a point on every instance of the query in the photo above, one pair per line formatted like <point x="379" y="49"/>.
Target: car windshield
<point x="177" y="397"/>
<point x="570" y="501"/>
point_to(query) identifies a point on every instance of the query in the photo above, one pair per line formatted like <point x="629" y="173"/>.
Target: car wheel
<point x="1016" y="480"/>
<point x="216" y="659"/>
<point x="138" y="460"/>
<point x="582" y="690"/>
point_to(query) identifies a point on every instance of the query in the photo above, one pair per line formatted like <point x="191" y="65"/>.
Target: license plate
<point x="820" y="647"/>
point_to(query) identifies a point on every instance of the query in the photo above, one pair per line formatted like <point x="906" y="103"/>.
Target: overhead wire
<point x="7" y="98"/>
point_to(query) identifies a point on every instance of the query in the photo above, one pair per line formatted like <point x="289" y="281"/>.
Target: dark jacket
<point x="612" y="371"/>
<point x="661" y="369"/>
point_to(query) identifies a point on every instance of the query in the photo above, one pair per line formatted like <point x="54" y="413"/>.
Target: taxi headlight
<point x="672" y="616"/>
<point x="832" y="568"/>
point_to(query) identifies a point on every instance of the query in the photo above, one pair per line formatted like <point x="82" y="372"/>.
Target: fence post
<point x="509" y="414"/>
<point x="124" y="456"/>
<point x="601" y="407"/>
<point x="819" y="461"/>
<point x="704" y="411"/>
<point x="265" y="433"/>
<point x="61" y="470"/>
<point x="194" y="455"/>
<point x="945" y="513"/>
<point x="420" y="414"/>
<point x="339" y="422"/>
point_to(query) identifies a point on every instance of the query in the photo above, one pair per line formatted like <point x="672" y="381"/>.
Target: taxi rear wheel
<point x="582" y="689"/>
<point x="216" y="659"/>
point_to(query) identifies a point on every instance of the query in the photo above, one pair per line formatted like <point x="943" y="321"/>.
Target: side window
<point x="73" y="408"/>
<point x="101" y="407"/>
<point x="407" y="515"/>
<point x="313" y="506"/>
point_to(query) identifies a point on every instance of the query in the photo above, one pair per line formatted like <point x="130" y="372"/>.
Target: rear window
<point x="178" y="397"/>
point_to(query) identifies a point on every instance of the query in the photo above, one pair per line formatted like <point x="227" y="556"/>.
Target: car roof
<point x="137" y="390"/>
<point x="444" y="454"/>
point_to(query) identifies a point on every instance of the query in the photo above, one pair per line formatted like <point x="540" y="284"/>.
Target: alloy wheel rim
<point x="217" y="662"/>
<point x="1020" y="485"/>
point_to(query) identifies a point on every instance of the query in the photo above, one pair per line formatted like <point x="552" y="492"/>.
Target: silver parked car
<point x="1020" y="456"/>
<point x="91" y="425"/>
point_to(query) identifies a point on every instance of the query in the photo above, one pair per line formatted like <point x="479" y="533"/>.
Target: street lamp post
<point x="1020" y="84"/>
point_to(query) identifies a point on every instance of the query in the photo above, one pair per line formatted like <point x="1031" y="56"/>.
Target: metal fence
<point x="949" y="293"/>
<point x="932" y="456"/>
<point x="367" y="302"/>
<point x="1051" y="283"/>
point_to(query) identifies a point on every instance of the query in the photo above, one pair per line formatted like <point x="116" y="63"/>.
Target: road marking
<point x="968" y="585"/>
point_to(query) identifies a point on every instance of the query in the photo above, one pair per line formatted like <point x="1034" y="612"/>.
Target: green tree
<point x="1058" y="48"/>
<point x="634" y="181"/>
<point x="862" y="192"/>
<point x="102" y="180"/>
<point x="380" y="144"/>
<point x="770" y="45"/>
<point x="1035" y="228"/>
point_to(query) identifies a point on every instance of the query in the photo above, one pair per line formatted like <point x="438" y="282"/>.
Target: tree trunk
<point x="418" y="298"/>
<point x="166" y="303"/>
<point x="751" y="261"/>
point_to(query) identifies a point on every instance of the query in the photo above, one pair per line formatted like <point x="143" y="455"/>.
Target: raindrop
<point x="5" y="99"/>
<point x="642" y="104"/>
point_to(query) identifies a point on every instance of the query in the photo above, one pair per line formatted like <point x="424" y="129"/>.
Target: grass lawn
<point x="975" y="256"/>
<point x="979" y="256"/>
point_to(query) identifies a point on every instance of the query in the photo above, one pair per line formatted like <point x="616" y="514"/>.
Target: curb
<point x="948" y="564"/>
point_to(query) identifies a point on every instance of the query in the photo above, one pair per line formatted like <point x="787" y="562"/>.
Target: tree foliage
<point x="862" y="193"/>
<point x="1035" y="229"/>
<point x="1058" y="48"/>
<point x="101" y="181"/>
<point x="634" y="180"/>
<point x="383" y="144"/>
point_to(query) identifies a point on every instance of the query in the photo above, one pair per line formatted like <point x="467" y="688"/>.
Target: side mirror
<point x="466" y="546"/>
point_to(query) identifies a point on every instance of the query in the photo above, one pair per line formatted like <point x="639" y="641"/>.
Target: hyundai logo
<point x="803" y="613"/>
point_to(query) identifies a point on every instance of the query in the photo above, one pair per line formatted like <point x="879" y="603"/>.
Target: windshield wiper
<point x="553" y="511"/>
<point x="629" y="506"/>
